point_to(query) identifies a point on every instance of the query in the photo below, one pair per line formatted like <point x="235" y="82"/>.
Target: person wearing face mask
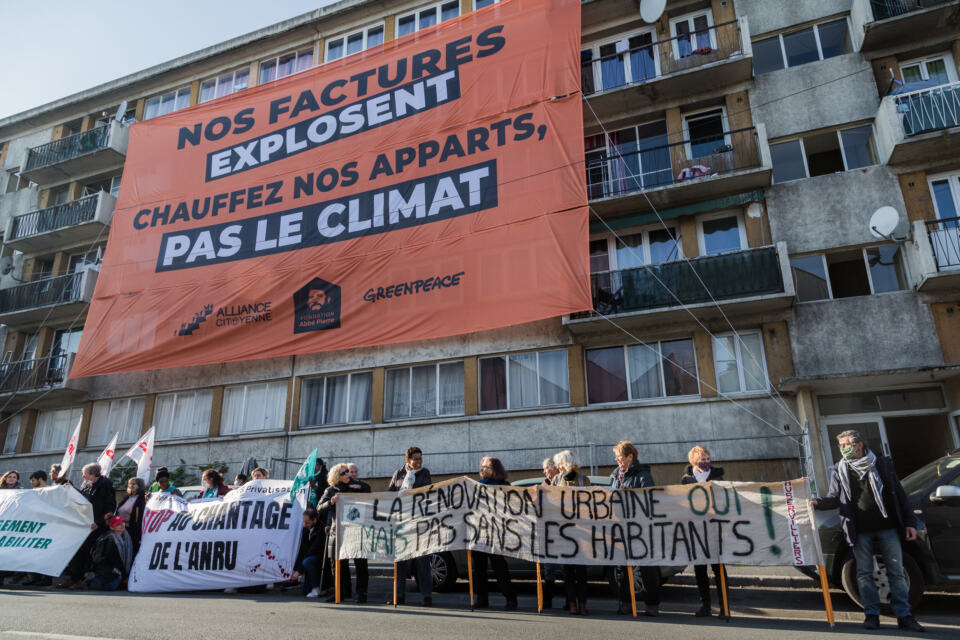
<point x="701" y="469"/>
<point x="213" y="485"/>
<point x="413" y="475"/>
<point x="874" y="514"/>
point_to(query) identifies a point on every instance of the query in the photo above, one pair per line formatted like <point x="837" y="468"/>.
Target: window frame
<point x="645" y="230"/>
<point x="10" y="432"/>
<point x="866" y="263"/>
<point x="436" y="6"/>
<point x="699" y="114"/>
<point x="826" y="274"/>
<point x="843" y="152"/>
<point x="922" y="61"/>
<point x="596" y="70"/>
<point x="689" y="17"/>
<point x="216" y="83"/>
<point x="67" y="433"/>
<point x="506" y="357"/>
<point x="177" y="395"/>
<point x="276" y="59"/>
<point x="323" y="394"/>
<point x="436" y="370"/>
<point x="109" y="404"/>
<point x="737" y="345"/>
<point x="718" y="215"/>
<point x="246" y="387"/>
<point x="474" y="4"/>
<point x="176" y="96"/>
<point x="816" y="36"/>
<point x="365" y="30"/>
<point x="953" y="181"/>
<point x="627" y="378"/>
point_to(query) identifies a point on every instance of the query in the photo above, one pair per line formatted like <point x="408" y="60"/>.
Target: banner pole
<point x="827" y="601"/>
<point x="633" y="592"/>
<point x="539" y="591"/>
<point x="470" y="576"/>
<point x="394" y="585"/>
<point x="723" y="591"/>
<point x="336" y="559"/>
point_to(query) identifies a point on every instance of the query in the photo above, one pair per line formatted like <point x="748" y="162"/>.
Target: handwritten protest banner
<point x="248" y="537"/>
<point x="41" y="529"/>
<point x="718" y="522"/>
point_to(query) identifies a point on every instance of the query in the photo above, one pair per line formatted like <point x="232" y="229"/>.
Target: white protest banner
<point x="720" y="522"/>
<point x="71" y="453"/>
<point x="142" y="454"/>
<point x="106" y="458"/>
<point x="41" y="529"/>
<point x="248" y="537"/>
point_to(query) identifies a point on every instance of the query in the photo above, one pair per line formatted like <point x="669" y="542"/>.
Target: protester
<point x="98" y="490"/>
<point x="551" y="572"/>
<point x="318" y="483"/>
<point x="339" y="482"/>
<point x="55" y="477"/>
<point x="239" y="480"/>
<point x="259" y="474"/>
<point x="131" y="509"/>
<point x="700" y="469"/>
<point x="111" y="557"/>
<point x="310" y="560"/>
<point x="493" y="473"/>
<point x="549" y="471"/>
<point x="874" y="512"/>
<point x="630" y="474"/>
<point x="38" y="479"/>
<point x="358" y="485"/>
<point x="213" y="485"/>
<point x="574" y="575"/>
<point x="359" y="564"/>
<point x="413" y="475"/>
<point x="10" y="480"/>
<point x="162" y="483"/>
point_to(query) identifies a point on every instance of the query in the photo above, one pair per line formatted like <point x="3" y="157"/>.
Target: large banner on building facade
<point x="746" y="523"/>
<point x="41" y="529"/>
<point x="249" y="537"/>
<point x="428" y="187"/>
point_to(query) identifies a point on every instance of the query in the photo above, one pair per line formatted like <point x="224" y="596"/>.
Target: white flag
<point x="71" y="453"/>
<point x="106" y="458"/>
<point x="142" y="454"/>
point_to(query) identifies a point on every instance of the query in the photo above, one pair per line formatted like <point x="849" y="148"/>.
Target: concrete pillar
<point x="703" y="348"/>
<point x="45" y="337"/>
<point x="254" y="73"/>
<point x="916" y="196"/>
<point x="295" y="406"/>
<point x="149" y="407"/>
<point x="88" y="122"/>
<point x="471" y="394"/>
<point x="194" y="92"/>
<point x="216" y="413"/>
<point x="881" y="73"/>
<point x="288" y="411"/>
<point x="675" y="133"/>
<point x="376" y="395"/>
<point x="28" y="425"/>
<point x="745" y="152"/>
<point x="14" y="345"/>
<point x="61" y="262"/>
<point x="138" y="111"/>
<point x="806" y="411"/>
<point x="776" y="346"/>
<point x="757" y="227"/>
<point x="688" y="236"/>
<point x="577" y="377"/>
<point x="946" y="319"/>
<point x="85" y="425"/>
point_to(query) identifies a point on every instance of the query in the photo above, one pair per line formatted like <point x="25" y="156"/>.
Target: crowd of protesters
<point x="874" y="515"/>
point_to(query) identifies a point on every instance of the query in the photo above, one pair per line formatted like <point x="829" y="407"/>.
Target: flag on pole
<point x="302" y="479"/>
<point x="106" y="458"/>
<point x="142" y="454"/>
<point x="71" y="453"/>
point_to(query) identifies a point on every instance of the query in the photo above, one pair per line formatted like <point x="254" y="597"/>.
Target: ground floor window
<point x="642" y="372"/>
<point x="54" y="428"/>
<point x="183" y="414"/>
<point x="524" y="380"/>
<point x="254" y="407"/>
<point x="424" y="391"/>
<point x="123" y="416"/>
<point x="336" y="399"/>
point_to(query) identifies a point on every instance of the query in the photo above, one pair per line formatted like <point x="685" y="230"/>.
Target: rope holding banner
<point x="827" y="601"/>
<point x="723" y="592"/>
<point x="470" y="576"/>
<point x="633" y="592"/>
<point x="394" y="585"/>
<point x="539" y="590"/>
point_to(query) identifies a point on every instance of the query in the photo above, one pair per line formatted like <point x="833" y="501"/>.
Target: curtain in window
<point x="679" y="363"/>
<point x="311" y="402"/>
<point x="13" y="432"/>
<point x="725" y="361"/>
<point x="606" y="375"/>
<point x="124" y="416"/>
<point x="554" y="378"/>
<point x="397" y="393"/>
<point x="253" y="407"/>
<point x="612" y="70"/>
<point x="54" y="428"/>
<point x="451" y="389"/>
<point x="524" y="382"/>
<point x="642" y="65"/>
<point x="493" y="383"/>
<point x="644" y="366"/>
<point x="361" y="385"/>
<point x="423" y="391"/>
<point x="183" y="415"/>
<point x="751" y="353"/>
<point x="335" y="400"/>
<point x="586" y="71"/>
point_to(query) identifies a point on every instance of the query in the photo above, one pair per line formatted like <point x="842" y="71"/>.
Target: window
<point x="336" y="399"/>
<point x="13" y="433"/>
<point x="938" y="70"/>
<point x="183" y="414"/>
<point x="65" y="342"/>
<point x="692" y="34"/>
<point x="628" y="160"/>
<point x="653" y="245"/>
<point x="111" y="185"/>
<point x="642" y="372"/>
<point x="427" y="17"/>
<point x="167" y="103"/>
<point x="89" y="260"/>
<point x="705" y="133"/>
<point x="123" y="416"/>
<point x="823" y="153"/>
<point x="819" y="42"/>
<point x="524" y="380"/>
<point x="627" y="60"/>
<point x="480" y="4"/>
<point x="721" y="233"/>
<point x="224" y="85"/>
<point x="285" y="65"/>
<point x="54" y="428"/>
<point x="424" y="391"/>
<point x="739" y="363"/>
<point x="16" y="182"/>
<point x="355" y="42"/>
<point x="844" y="274"/>
<point x="945" y="190"/>
<point x="253" y="407"/>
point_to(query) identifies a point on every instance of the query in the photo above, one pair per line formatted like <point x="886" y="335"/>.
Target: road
<point x="758" y="613"/>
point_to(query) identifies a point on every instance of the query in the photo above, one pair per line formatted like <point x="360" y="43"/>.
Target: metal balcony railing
<point x="688" y="160"/>
<point x="945" y="240"/>
<point x="61" y="216"/>
<point x="643" y="59"/>
<point x="40" y="293"/>
<point x="68" y="148"/>
<point x="929" y="109"/>
<point x="39" y="373"/>
<point x="883" y="9"/>
<point x="727" y="276"/>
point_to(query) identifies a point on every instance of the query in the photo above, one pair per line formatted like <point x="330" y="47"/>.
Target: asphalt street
<point x="757" y="613"/>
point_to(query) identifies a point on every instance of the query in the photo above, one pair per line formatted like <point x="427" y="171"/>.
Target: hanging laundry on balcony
<point x="694" y="172"/>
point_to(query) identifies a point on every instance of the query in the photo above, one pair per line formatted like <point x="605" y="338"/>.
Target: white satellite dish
<point x="651" y="10"/>
<point x="884" y="222"/>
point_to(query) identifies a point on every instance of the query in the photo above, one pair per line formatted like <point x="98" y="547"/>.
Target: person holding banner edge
<point x="10" y="480"/>
<point x="131" y="509"/>
<point x="493" y="473"/>
<point x="701" y="469"/>
<point x="98" y="490"/>
<point x="413" y="475"/>
<point x="339" y="482"/>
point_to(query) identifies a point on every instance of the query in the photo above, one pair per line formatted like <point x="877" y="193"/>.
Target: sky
<point x="60" y="47"/>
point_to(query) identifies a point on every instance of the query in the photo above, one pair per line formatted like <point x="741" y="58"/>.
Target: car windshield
<point x="925" y="476"/>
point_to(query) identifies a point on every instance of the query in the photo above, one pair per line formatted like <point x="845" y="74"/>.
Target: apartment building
<point x="735" y="152"/>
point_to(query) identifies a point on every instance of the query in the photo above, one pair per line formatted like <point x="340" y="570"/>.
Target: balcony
<point x="742" y="282"/>
<point x="650" y="73"/>
<point x="892" y="23"/>
<point x="79" y="222"/>
<point x="97" y="150"/>
<point x="679" y="173"/>
<point x="54" y="301"/>
<point x="28" y="380"/>
<point x="920" y="126"/>
<point x="935" y="255"/>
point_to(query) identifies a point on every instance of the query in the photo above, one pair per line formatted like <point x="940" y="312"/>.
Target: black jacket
<point x="106" y="559"/>
<point x="311" y="544"/>
<point x="423" y="478"/>
<point x="101" y="496"/>
<point x="894" y="498"/>
<point x="135" y="523"/>
<point x="638" y="476"/>
<point x="716" y="473"/>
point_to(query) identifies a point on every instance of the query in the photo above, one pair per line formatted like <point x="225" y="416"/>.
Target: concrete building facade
<point x="735" y="153"/>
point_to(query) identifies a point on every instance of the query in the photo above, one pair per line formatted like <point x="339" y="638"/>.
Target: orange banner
<point x="429" y="187"/>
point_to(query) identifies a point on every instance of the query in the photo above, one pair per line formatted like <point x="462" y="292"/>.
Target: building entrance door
<point x="911" y="440"/>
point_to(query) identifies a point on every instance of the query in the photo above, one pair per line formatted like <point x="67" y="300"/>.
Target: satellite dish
<point x="6" y="265"/>
<point x="651" y="10"/>
<point x="883" y="222"/>
<point x="121" y="110"/>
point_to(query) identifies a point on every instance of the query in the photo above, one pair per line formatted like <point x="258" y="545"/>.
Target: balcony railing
<point x="60" y="216"/>
<point x="929" y="109"/>
<point x="67" y="148"/>
<point x="728" y="276"/>
<point x="40" y="373"/>
<point x="643" y="59"/>
<point x="689" y="160"/>
<point x="40" y="293"/>
<point x="883" y="9"/>
<point x="945" y="240"/>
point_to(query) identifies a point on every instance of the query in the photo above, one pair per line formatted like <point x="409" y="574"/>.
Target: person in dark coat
<point x="701" y="469"/>
<point x="630" y="474"/>
<point x="493" y="473"/>
<point x="111" y="557"/>
<point x="313" y="543"/>
<point x="574" y="575"/>
<point x="874" y="514"/>
<point x="131" y="509"/>
<point x="413" y="475"/>
<point x="339" y="482"/>
<point x="98" y="490"/>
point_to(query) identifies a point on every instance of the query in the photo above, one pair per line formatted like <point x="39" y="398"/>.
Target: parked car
<point x="191" y="492"/>
<point x="933" y="559"/>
